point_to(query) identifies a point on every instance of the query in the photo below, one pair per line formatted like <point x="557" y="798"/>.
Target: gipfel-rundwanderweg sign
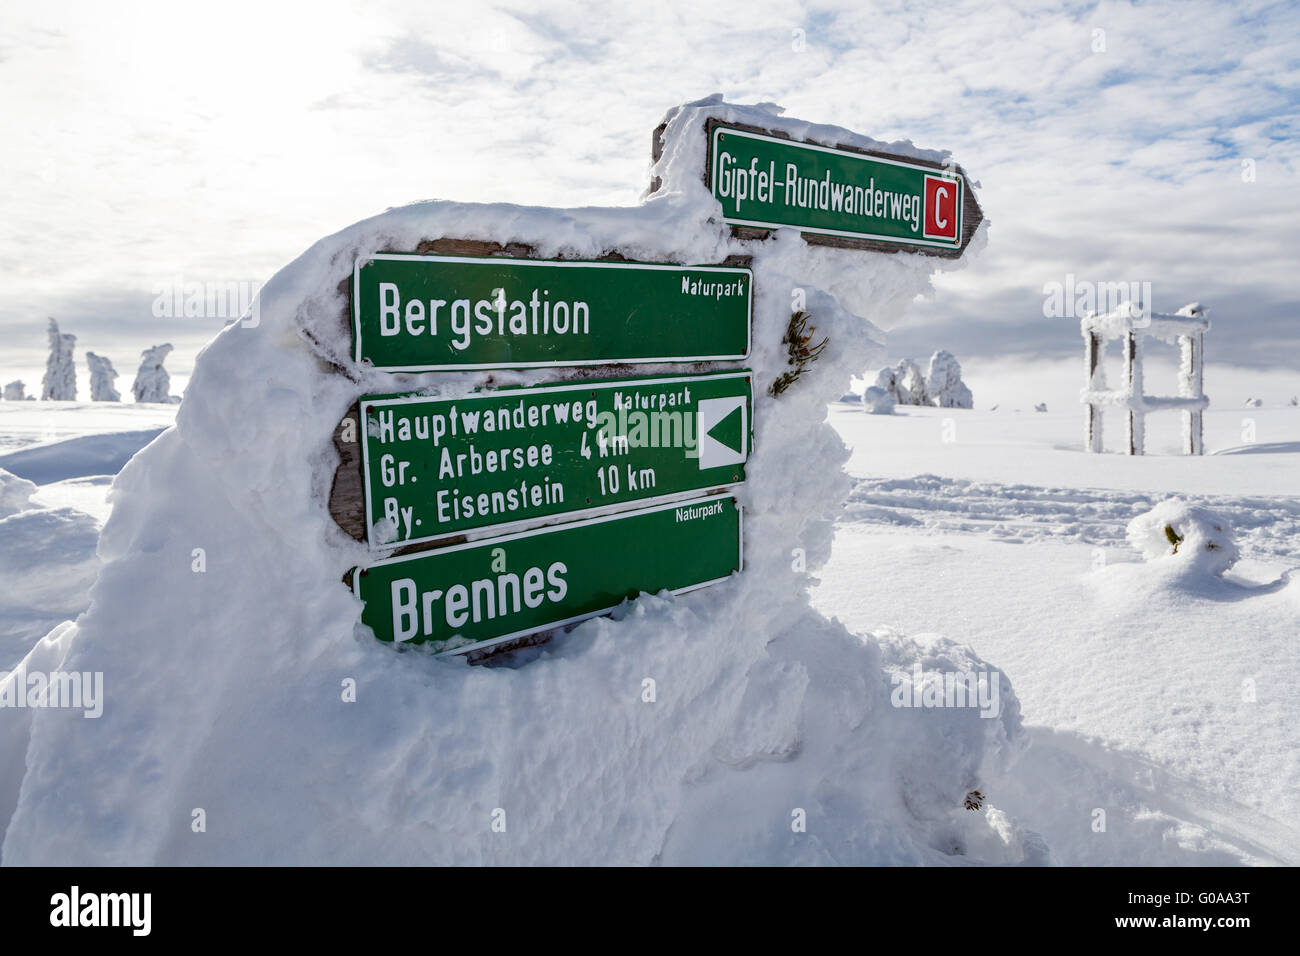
<point x="486" y="592"/>
<point x="445" y="313"/>
<point x="435" y="467"/>
<point x="771" y="182"/>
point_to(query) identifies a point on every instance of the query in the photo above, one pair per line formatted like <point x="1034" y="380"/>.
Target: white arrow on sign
<point x="722" y="430"/>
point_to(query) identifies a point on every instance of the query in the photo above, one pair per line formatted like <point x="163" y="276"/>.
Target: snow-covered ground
<point x="1170" y="704"/>
<point x="23" y="424"/>
<point x="1141" y="712"/>
<point x="1166" y="705"/>
<point x="57" y="462"/>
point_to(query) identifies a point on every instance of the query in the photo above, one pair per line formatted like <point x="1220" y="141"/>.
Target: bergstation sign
<point x="434" y="467"/>
<point x="487" y="592"/>
<point x="447" y="313"/>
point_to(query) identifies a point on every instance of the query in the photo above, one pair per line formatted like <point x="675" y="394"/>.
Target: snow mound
<point x="239" y="680"/>
<point x="78" y="457"/>
<point x="877" y="401"/>
<point x="1195" y="538"/>
<point x="15" y="493"/>
<point x="48" y="564"/>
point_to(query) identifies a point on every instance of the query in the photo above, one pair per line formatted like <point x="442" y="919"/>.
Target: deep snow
<point x="1154" y="690"/>
<point x="228" y="643"/>
<point x="1162" y="698"/>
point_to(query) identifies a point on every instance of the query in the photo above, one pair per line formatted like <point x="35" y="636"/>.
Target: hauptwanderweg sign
<point x="434" y="467"/>
<point x="486" y="592"/>
<point x="837" y="195"/>
<point x="428" y="313"/>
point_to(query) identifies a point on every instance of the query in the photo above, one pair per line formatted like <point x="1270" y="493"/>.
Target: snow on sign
<point x="428" y="313"/>
<point x="434" y="467"/>
<point x="475" y="595"/>
<point x="839" y="195"/>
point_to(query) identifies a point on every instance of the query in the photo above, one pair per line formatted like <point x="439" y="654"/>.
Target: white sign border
<point x="928" y="170"/>
<point x="570" y="263"/>
<point x="365" y="404"/>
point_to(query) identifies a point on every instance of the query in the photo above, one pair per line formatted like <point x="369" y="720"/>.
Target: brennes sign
<point x="487" y="592"/>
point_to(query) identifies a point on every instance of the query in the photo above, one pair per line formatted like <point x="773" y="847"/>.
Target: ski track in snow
<point x="1267" y="527"/>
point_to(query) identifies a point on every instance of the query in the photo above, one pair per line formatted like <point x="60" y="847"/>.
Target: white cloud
<point x="155" y="140"/>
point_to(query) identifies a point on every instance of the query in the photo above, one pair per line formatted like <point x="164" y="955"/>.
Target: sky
<point x="148" y="145"/>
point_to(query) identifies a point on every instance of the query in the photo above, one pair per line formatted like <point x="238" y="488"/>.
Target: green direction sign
<point x="771" y="182"/>
<point x="435" y="467"/>
<point x="427" y="313"/>
<point x="497" y="589"/>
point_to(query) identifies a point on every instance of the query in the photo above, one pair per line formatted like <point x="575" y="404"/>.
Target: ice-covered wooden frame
<point x="1131" y="323"/>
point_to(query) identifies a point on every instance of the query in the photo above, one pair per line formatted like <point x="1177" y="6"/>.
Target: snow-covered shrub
<point x="1253" y="402"/>
<point x="1040" y="407"/>
<point x="60" y="381"/>
<point x="1176" y="531"/>
<point x="15" y="392"/>
<point x="886" y="381"/>
<point x="802" y="352"/>
<point x="877" y="401"/>
<point x="911" y="384"/>
<point x="764" y="703"/>
<point x="944" y="384"/>
<point x="152" y="381"/>
<point x="102" y="376"/>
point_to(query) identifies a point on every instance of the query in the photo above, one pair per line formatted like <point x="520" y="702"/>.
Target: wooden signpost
<point x="426" y="471"/>
<point x="635" y="470"/>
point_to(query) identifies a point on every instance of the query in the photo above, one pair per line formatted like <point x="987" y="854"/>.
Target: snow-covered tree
<point x="905" y="382"/>
<point x="152" y="383"/>
<point x="60" y="381"/>
<point x="102" y="376"/>
<point x="15" y="392"/>
<point x="944" y="383"/>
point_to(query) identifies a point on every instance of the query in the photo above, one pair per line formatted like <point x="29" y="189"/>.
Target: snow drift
<point x="239" y="682"/>
<point x="77" y="457"/>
